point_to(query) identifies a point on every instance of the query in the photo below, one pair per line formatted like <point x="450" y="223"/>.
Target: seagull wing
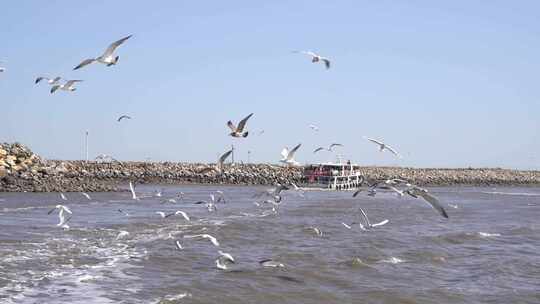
<point x="380" y="224"/>
<point x="114" y="45"/>
<point x="243" y="122"/>
<point x="133" y="195"/>
<point x="71" y="82"/>
<point x="84" y="63"/>
<point x="183" y="214"/>
<point x="223" y="157"/>
<point x="40" y="79"/>
<point x="364" y="215"/>
<point x="357" y="192"/>
<point x="374" y="141"/>
<point x="285" y="153"/>
<point x="231" y="125"/>
<point x="318" y="149"/>
<point x="56" y="79"/>
<point x="310" y="53"/>
<point x="326" y="63"/>
<point x="334" y="145"/>
<point x="433" y="201"/>
<point x="392" y="150"/>
<point x="291" y="153"/>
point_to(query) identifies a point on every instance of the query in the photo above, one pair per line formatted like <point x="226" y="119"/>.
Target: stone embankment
<point x="22" y="170"/>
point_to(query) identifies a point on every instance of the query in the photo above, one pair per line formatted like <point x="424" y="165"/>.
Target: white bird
<point x="108" y="57"/>
<point x="288" y="156"/>
<point x="314" y="127"/>
<point x="183" y="214"/>
<point x="67" y="86"/>
<point x="227" y="256"/>
<point x="178" y="245"/>
<point x="368" y="223"/>
<point x="162" y="214"/>
<point x="270" y="263"/>
<point x="219" y="165"/>
<point x="383" y="146"/>
<point x="50" y="81"/>
<point x="86" y="195"/>
<point x="317" y="231"/>
<point x="329" y="149"/>
<point x="158" y="193"/>
<point x="204" y="236"/>
<point x="61" y="216"/>
<point x="346" y="225"/>
<point x="63" y="196"/>
<point x="299" y="190"/>
<point x="416" y="192"/>
<point x="132" y="189"/>
<point x="239" y="131"/>
<point x="316" y="58"/>
<point x="211" y="205"/>
<point x="123" y="117"/>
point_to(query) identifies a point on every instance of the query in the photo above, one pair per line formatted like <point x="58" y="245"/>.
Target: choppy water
<point x="487" y="252"/>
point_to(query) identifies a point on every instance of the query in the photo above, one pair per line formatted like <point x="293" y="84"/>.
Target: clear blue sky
<point x="448" y="84"/>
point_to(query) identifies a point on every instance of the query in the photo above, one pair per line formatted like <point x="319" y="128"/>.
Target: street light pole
<point x="86" y="144"/>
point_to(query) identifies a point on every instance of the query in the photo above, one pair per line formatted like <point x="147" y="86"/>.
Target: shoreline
<point x="21" y="170"/>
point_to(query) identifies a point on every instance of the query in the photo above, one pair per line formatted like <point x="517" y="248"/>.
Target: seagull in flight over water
<point x="61" y="215"/>
<point x="316" y="58"/>
<point x="132" y="190"/>
<point x="383" y="146"/>
<point x="219" y="165"/>
<point x="416" y="192"/>
<point x="108" y="57"/>
<point x="239" y="131"/>
<point x="288" y="156"/>
<point x="204" y="236"/>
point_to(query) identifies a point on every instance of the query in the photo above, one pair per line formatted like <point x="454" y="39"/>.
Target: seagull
<point x="219" y="165"/>
<point x="123" y="117"/>
<point x="178" y="245"/>
<point x="211" y="205"/>
<point x="316" y="58"/>
<point x="108" y="57"/>
<point x="329" y="149"/>
<point x="383" y="146"/>
<point x="270" y="263"/>
<point x="227" y="256"/>
<point x="63" y="196"/>
<point x="158" y="193"/>
<point x="430" y="199"/>
<point x="239" y="131"/>
<point x="314" y="127"/>
<point x="61" y="216"/>
<point x="123" y="212"/>
<point x="397" y="181"/>
<point x="204" y="236"/>
<point x="162" y="214"/>
<point x="50" y="81"/>
<point x="273" y="193"/>
<point x="86" y="195"/>
<point x="368" y="223"/>
<point x="68" y="86"/>
<point x="288" y="156"/>
<point x="132" y="189"/>
<point x="181" y="213"/>
<point x="317" y="231"/>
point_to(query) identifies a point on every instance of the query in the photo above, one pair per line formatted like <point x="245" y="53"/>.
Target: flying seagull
<point x="316" y="58"/>
<point x="329" y="149"/>
<point x="219" y="165"/>
<point x="178" y="245"/>
<point x="383" y="146"/>
<point x="123" y="117"/>
<point x="239" y="131"/>
<point x="430" y="199"/>
<point x="314" y="127"/>
<point x="63" y="196"/>
<point x="132" y="190"/>
<point x="63" y="220"/>
<point x="368" y="223"/>
<point x="50" y="81"/>
<point x="86" y="195"/>
<point x="211" y="205"/>
<point x="204" y="236"/>
<point x="288" y="156"/>
<point x="68" y="86"/>
<point x="108" y="57"/>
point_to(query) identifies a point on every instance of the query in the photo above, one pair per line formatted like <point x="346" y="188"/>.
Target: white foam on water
<point x="393" y="260"/>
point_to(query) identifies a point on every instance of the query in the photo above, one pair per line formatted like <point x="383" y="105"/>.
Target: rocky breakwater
<point x="22" y="170"/>
<point x="447" y="177"/>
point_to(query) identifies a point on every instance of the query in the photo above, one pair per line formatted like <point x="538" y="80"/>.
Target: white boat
<point x="332" y="176"/>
